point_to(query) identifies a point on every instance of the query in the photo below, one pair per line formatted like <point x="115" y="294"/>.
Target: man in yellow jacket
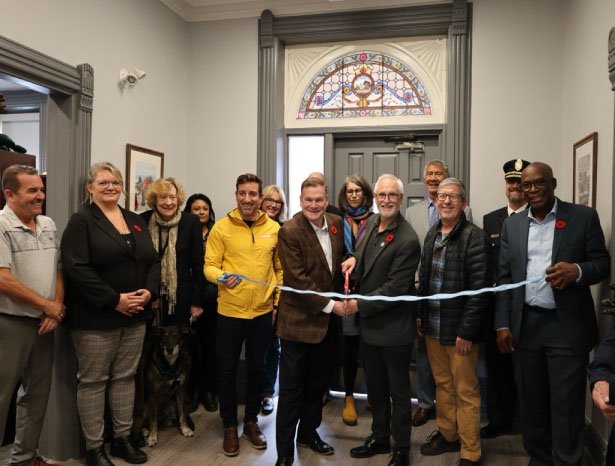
<point x="243" y="243"/>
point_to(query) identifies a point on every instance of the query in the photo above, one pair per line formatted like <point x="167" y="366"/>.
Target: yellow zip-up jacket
<point x="234" y="247"/>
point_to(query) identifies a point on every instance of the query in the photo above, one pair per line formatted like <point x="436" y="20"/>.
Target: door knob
<point x="608" y="304"/>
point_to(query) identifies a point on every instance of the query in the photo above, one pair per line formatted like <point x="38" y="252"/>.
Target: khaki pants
<point x="457" y="396"/>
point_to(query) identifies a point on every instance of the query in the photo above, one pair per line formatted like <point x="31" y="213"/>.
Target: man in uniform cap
<point x="501" y="392"/>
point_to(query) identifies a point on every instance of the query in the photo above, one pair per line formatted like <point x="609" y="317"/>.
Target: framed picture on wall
<point x="584" y="159"/>
<point x="143" y="166"/>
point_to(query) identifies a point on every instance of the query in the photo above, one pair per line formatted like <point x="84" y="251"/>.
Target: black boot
<point x="122" y="448"/>
<point x="97" y="457"/>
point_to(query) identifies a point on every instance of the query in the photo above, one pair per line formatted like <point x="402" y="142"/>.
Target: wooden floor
<point x="205" y="448"/>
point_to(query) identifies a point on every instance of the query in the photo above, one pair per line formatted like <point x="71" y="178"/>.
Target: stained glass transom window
<point x="364" y="84"/>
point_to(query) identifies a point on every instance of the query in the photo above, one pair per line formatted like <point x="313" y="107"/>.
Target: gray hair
<point x="455" y="182"/>
<point x="440" y="163"/>
<point x="400" y="185"/>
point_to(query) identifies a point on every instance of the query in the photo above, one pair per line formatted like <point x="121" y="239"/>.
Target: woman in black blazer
<point x="113" y="273"/>
<point x="177" y="238"/>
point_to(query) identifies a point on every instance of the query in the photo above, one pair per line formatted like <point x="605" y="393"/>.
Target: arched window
<point x="364" y="84"/>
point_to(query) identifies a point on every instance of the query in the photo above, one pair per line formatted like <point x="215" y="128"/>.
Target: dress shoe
<point x="38" y="461"/>
<point x="400" y="457"/>
<point x="467" y="462"/>
<point x="137" y="439"/>
<point x="95" y="457"/>
<point x="122" y="448"/>
<point x="230" y="445"/>
<point x="349" y="413"/>
<point x="421" y="416"/>
<point x="370" y="448"/>
<point x="317" y="445"/>
<point x="253" y="434"/>
<point x="437" y="444"/>
<point x="494" y="430"/>
<point x="284" y="461"/>
<point x="210" y="402"/>
<point x="267" y="406"/>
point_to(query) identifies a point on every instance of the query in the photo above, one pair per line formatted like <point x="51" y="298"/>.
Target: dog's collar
<point x="173" y="373"/>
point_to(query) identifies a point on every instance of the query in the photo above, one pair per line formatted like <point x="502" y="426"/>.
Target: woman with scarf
<point x="178" y="241"/>
<point x="355" y="201"/>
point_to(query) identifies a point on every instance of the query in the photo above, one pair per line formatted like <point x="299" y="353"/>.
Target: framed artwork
<point x="143" y="166"/>
<point x="584" y="160"/>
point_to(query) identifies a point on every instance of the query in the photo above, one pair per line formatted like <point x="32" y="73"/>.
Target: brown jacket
<point x="300" y="317"/>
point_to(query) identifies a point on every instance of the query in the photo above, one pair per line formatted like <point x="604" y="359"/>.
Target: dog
<point x="166" y="375"/>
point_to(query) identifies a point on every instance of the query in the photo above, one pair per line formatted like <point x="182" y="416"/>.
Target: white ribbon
<point x="493" y="289"/>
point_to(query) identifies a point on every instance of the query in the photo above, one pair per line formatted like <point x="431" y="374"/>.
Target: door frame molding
<point x="66" y="120"/>
<point x="452" y="19"/>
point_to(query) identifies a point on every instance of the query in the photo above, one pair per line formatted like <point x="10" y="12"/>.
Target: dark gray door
<point x="372" y="157"/>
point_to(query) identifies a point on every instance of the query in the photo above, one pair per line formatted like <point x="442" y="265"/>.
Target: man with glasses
<point x="549" y="326"/>
<point x="386" y="266"/>
<point x="455" y="258"/>
<point x="501" y="392"/>
<point x="422" y="216"/>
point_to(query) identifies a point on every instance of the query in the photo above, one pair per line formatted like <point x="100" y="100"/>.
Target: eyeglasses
<point x="273" y="201"/>
<point x="538" y="184"/>
<point x="391" y="196"/>
<point x="453" y="197"/>
<point x="106" y="183"/>
<point x="354" y="192"/>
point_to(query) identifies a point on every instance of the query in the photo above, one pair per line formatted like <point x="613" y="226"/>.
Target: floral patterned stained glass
<point x="364" y="84"/>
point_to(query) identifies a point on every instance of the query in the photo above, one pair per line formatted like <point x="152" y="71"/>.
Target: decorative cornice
<point x="86" y="98"/>
<point x="214" y="10"/>
<point x="612" y="58"/>
<point x="19" y="61"/>
<point x="460" y="17"/>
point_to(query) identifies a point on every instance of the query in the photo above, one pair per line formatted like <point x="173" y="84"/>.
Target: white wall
<point x="517" y="65"/>
<point x="110" y="35"/>
<point x="222" y="108"/>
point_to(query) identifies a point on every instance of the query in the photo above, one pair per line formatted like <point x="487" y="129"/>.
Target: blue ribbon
<point x="329" y="294"/>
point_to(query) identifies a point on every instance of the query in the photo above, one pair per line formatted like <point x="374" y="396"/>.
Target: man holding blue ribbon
<point x="386" y="266"/>
<point x="310" y="247"/>
<point x="550" y="326"/>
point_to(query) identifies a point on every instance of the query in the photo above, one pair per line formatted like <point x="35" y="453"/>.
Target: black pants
<point x="204" y="372"/>
<point x="232" y="333"/>
<point x="551" y="381"/>
<point x="501" y="388"/>
<point x="388" y="381"/>
<point x="350" y="362"/>
<point x="304" y="375"/>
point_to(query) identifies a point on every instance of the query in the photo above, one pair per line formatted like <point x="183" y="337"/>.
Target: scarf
<point x="354" y="227"/>
<point x="158" y="228"/>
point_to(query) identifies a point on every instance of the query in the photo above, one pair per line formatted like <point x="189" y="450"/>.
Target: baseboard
<point x="595" y="447"/>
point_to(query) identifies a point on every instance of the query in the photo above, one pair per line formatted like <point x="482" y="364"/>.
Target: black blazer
<point x="189" y="260"/>
<point x="578" y="239"/>
<point x="389" y="272"/>
<point x="99" y="265"/>
<point x="492" y="226"/>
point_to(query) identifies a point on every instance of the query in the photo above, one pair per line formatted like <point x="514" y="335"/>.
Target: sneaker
<point x="267" y="406"/>
<point x="437" y="444"/>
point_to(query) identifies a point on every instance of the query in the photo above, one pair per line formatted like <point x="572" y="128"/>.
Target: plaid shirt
<point x="435" y="284"/>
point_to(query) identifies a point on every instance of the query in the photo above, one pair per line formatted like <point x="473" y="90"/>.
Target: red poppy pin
<point x="137" y="228"/>
<point x="389" y="238"/>
<point x="333" y="230"/>
<point x="559" y="224"/>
